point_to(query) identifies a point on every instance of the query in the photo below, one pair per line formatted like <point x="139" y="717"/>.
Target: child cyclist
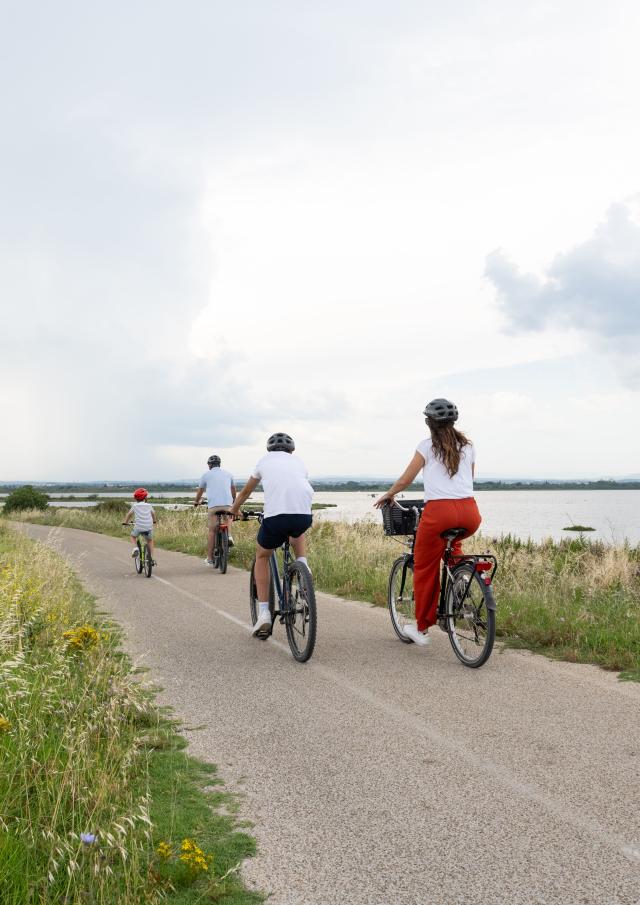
<point x="144" y="518"/>
<point x="287" y="513"/>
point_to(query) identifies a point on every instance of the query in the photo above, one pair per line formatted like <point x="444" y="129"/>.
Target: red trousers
<point x="437" y="516"/>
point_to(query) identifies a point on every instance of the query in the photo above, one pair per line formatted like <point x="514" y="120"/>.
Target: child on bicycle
<point x="144" y="518"/>
<point x="221" y="492"/>
<point x="447" y="460"/>
<point x="287" y="513"/>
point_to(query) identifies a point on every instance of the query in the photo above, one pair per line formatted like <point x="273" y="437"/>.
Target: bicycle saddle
<point x="453" y="533"/>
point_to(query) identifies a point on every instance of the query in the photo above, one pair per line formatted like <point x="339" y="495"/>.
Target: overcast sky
<point x="218" y="220"/>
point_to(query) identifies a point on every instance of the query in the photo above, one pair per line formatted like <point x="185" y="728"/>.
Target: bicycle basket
<point x="395" y="521"/>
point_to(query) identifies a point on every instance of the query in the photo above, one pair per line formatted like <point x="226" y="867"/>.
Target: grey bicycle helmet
<point x="280" y="443"/>
<point x="442" y="411"/>
<point x="214" y="461"/>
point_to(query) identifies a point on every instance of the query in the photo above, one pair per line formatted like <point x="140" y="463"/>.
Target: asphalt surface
<point x="381" y="773"/>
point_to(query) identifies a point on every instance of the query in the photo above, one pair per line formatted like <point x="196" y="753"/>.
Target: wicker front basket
<point x="395" y="521"/>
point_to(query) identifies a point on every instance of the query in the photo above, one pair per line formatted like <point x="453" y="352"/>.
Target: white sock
<point x="304" y="560"/>
<point x="264" y="608"/>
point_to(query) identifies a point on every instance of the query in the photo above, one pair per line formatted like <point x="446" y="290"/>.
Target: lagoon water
<point x="538" y="514"/>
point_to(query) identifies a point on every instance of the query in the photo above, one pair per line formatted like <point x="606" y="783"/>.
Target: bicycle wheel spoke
<point x="400" y="596"/>
<point x="470" y="625"/>
<point x="300" y="615"/>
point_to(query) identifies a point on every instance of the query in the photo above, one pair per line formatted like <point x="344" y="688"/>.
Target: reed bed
<point x="90" y="771"/>
<point x="575" y="599"/>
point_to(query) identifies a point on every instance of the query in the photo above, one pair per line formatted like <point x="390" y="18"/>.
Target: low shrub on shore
<point x="92" y="778"/>
<point x="575" y="599"/>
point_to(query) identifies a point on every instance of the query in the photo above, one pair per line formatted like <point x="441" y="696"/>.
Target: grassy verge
<point x="577" y="600"/>
<point x="98" y="802"/>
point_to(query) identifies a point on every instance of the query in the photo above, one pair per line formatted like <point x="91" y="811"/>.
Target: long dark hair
<point x="447" y="444"/>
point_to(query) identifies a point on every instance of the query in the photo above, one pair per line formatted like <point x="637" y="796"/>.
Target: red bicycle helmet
<point x="140" y="494"/>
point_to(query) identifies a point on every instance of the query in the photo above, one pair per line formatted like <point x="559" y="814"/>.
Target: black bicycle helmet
<point x="214" y="461"/>
<point x="442" y="411"/>
<point x="280" y="443"/>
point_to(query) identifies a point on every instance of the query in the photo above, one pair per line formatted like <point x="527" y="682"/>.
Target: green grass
<point x="575" y="599"/>
<point x="84" y="750"/>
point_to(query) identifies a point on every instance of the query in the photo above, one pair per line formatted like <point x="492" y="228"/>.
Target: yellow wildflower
<point x="5" y="725"/>
<point x="193" y="857"/>
<point x="81" y="638"/>
<point x="164" y="850"/>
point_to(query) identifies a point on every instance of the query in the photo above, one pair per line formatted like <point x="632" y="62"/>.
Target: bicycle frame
<point x="281" y="582"/>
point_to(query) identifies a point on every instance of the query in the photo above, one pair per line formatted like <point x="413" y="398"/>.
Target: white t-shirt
<point x="142" y="516"/>
<point x="217" y="482"/>
<point x="285" y="483"/>
<point x="437" y="483"/>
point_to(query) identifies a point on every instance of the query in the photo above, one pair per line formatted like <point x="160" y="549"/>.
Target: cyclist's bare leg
<point x="213" y="536"/>
<point x="299" y="545"/>
<point x="261" y="573"/>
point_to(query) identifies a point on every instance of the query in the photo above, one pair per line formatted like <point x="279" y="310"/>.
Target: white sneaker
<point x="135" y="552"/>
<point x="208" y="562"/>
<point x="419" y="638"/>
<point x="263" y="624"/>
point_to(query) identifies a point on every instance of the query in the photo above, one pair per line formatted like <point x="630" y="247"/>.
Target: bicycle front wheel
<point x="223" y="551"/>
<point x="148" y="561"/>
<point x="401" y="602"/>
<point x="300" y="612"/>
<point x="138" y="559"/>
<point x="253" y="600"/>
<point x="471" y="623"/>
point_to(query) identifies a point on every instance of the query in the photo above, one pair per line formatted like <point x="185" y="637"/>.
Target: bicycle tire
<point x="253" y="600"/>
<point x="301" y="613"/>
<point x="223" y="552"/>
<point x="148" y="562"/>
<point x="400" y="599"/>
<point x="471" y="623"/>
<point x="138" y="559"/>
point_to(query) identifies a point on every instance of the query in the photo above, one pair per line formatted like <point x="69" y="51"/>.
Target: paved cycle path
<point x="382" y="773"/>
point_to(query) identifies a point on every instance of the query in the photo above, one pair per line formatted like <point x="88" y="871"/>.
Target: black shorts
<point x="275" y="530"/>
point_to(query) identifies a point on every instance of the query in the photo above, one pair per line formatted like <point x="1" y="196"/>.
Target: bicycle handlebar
<point x="404" y="508"/>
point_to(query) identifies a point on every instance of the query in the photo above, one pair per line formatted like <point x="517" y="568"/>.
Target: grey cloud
<point x="593" y="288"/>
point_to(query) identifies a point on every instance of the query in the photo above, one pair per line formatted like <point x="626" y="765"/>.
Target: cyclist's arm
<point x="244" y="494"/>
<point x="473" y="470"/>
<point x="233" y="491"/>
<point x="199" y="493"/>
<point x="407" y="477"/>
<point x="127" y="517"/>
<point x="153" y="517"/>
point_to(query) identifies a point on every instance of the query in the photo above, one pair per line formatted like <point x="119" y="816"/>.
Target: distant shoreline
<point x="182" y="489"/>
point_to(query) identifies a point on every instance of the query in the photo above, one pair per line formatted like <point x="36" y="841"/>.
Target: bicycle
<point x="143" y="561"/>
<point x="221" y="546"/>
<point x="292" y="586"/>
<point x="466" y="607"/>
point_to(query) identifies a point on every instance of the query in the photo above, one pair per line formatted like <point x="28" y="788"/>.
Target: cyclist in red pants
<point x="447" y="460"/>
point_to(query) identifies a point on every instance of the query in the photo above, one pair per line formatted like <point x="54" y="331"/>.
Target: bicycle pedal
<point x="442" y="623"/>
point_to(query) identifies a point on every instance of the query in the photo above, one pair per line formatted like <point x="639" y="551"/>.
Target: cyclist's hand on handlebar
<point x="387" y="499"/>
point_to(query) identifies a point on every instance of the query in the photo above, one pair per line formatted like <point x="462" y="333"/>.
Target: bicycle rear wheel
<point x="471" y="624"/>
<point x="148" y="561"/>
<point x="401" y="602"/>
<point x="301" y="614"/>
<point x="138" y="559"/>
<point x="223" y="550"/>
<point x="253" y="600"/>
